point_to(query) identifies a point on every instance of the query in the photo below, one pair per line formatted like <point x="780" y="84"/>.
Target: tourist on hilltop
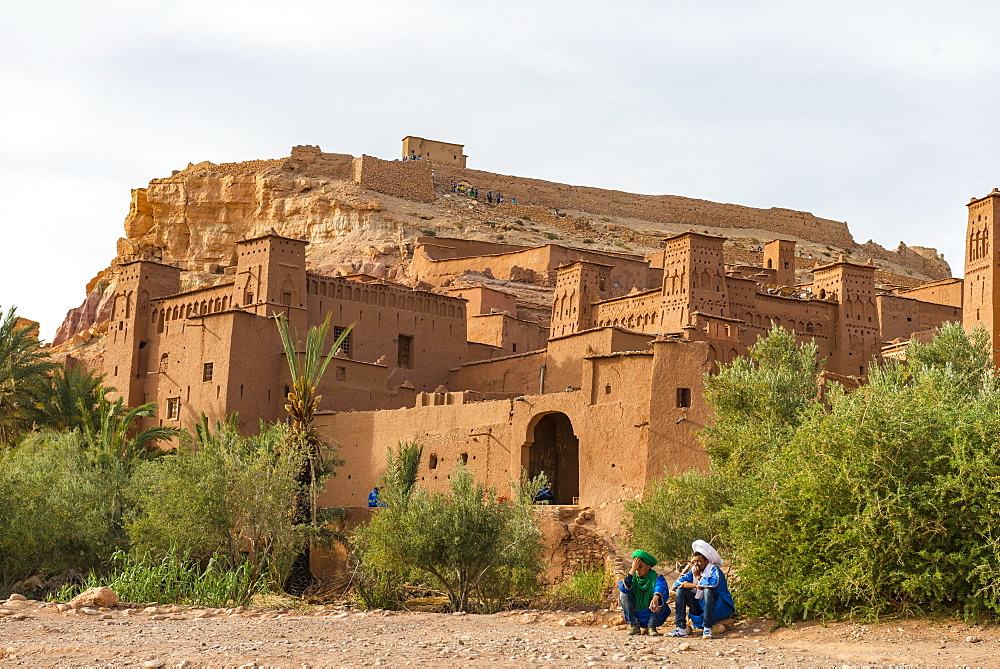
<point x="499" y="198"/>
<point x="702" y="592"/>
<point x="643" y="595"/>
<point x="489" y="196"/>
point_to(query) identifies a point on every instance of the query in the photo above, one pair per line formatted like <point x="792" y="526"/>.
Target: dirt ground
<point x="33" y="634"/>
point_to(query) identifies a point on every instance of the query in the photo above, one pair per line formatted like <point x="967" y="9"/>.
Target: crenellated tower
<point x="271" y="278"/>
<point x="856" y="330"/>
<point x="125" y="358"/>
<point x="779" y="255"/>
<point x="578" y="285"/>
<point x="694" y="279"/>
<point x="981" y="264"/>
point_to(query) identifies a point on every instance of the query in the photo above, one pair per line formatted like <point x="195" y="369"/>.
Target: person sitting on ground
<point x="374" y="498"/>
<point x="643" y="596"/>
<point x="545" y="495"/>
<point x="703" y="592"/>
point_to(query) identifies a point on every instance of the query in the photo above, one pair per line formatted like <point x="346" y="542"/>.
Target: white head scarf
<point x="705" y="548"/>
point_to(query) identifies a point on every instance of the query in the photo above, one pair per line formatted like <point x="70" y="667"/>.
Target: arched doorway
<point x="555" y="450"/>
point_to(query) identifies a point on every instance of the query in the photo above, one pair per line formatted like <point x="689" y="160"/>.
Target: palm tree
<point x="23" y="367"/>
<point x="117" y="445"/>
<point x="113" y="435"/>
<point x="302" y="403"/>
<point x="69" y="396"/>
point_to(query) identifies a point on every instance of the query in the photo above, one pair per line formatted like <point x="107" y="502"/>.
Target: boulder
<point x="101" y="596"/>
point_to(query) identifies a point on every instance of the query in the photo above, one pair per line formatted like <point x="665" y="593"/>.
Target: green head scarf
<point x="645" y="557"/>
<point x="642" y="587"/>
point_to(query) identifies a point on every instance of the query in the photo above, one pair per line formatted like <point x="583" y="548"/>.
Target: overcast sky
<point x="882" y="114"/>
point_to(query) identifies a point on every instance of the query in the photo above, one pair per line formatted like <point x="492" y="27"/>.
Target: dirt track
<point x="36" y="635"/>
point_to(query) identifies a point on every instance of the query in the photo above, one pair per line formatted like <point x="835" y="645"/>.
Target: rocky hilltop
<point x="363" y="215"/>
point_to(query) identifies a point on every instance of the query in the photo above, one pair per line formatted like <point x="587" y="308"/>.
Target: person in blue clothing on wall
<point x="643" y="596"/>
<point x="702" y="592"/>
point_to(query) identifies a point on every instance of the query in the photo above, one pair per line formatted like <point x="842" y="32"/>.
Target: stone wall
<point x="670" y="209"/>
<point x="408" y="179"/>
<point x="924" y="260"/>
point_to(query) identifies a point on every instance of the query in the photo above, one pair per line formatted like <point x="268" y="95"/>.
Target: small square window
<point x="683" y="397"/>
<point x="173" y="408"/>
<point x="286" y="299"/>
<point x="345" y="346"/>
<point x="206" y="372"/>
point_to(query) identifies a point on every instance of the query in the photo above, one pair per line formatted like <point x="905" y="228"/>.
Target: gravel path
<point x="33" y="634"/>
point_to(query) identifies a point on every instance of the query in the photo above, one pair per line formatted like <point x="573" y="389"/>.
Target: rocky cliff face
<point x="362" y="215"/>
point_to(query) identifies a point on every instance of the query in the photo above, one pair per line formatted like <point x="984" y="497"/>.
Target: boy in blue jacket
<point x="643" y="596"/>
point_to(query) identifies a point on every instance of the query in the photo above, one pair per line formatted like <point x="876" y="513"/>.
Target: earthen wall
<point x="900" y="317"/>
<point x="408" y="179"/>
<point x="510" y="335"/>
<point x="657" y="208"/>
<point x="534" y="265"/>
<point x="947" y="292"/>
<point x="483" y="300"/>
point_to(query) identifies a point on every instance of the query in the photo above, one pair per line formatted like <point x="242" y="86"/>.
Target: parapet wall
<point x="658" y="208"/>
<point x="924" y="260"/>
<point x="409" y="179"/>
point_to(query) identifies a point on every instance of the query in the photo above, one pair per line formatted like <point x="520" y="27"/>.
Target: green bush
<point x="428" y="232"/>
<point x="885" y="503"/>
<point x="175" y="578"/>
<point x="484" y="553"/>
<point x="585" y="589"/>
<point x="676" y="510"/>
<point x="55" y="514"/>
<point x="880" y="501"/>
<point x="551" y="235"/>
<point x="230" y="495"/>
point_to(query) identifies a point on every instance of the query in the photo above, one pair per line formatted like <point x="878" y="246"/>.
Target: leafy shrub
<point x="674" y="511"/>
<point x="55" y="514"/>
<point x="886" y="502"/>
<point x="483" y="552"/>
<point x="229" y="495"/>
<point x="586" y="589"/>
<point x="588" y="241"/>
<point x="551" y="235"/>
<point x="175" y="578"/>
<point x="605" y="219"/>
<point x="428" y="232"/>
<point x="526" y="218"/>
<point x="879" y="501"/>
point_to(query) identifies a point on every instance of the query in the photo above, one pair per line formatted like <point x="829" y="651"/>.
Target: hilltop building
<point x="443" y="152"/>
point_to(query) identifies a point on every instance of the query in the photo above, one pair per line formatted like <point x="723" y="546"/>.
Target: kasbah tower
<point x="982" y="260"/>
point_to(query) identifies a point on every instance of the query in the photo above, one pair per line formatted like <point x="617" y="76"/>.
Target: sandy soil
<point x="38" y="635"/>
